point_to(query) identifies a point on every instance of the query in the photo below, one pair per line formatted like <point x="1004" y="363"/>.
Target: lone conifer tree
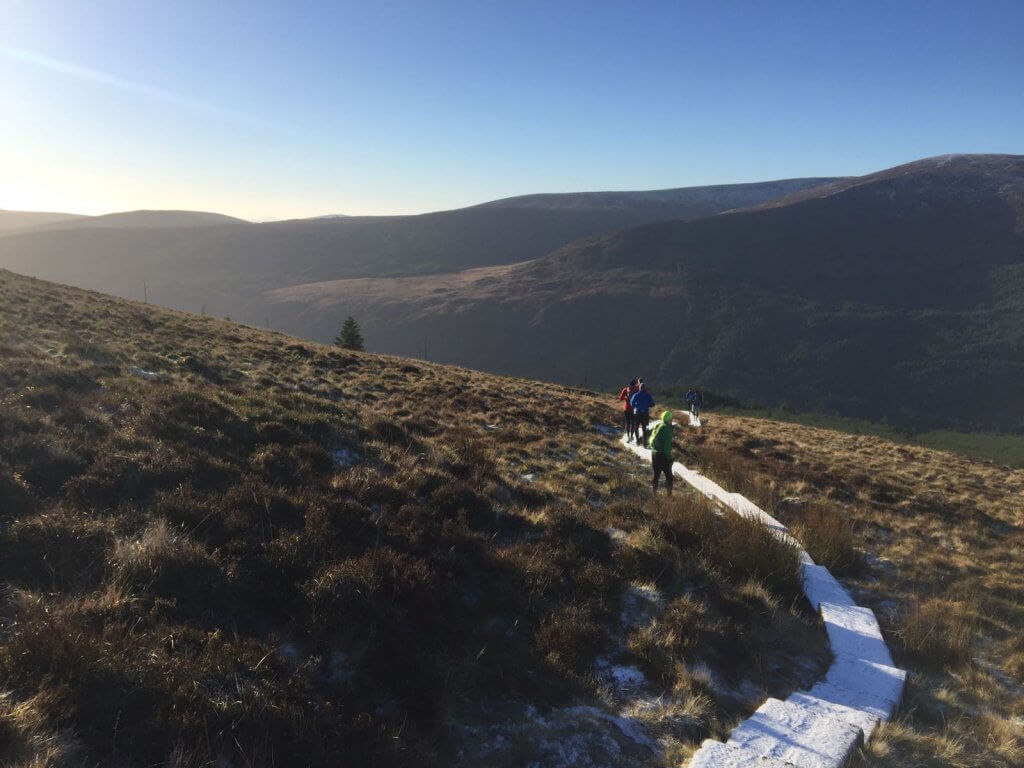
<point x="350" y="337"/>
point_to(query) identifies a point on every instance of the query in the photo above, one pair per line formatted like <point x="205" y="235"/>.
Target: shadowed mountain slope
<point x="657" y="204"/>
<point x="11" y="221"/>
<point x="897" y="296"/>
<point x="148" y="219"/>
<point x="228" y="268"/>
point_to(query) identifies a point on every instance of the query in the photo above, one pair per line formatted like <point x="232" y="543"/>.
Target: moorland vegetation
<point x="224" y="545"/>
<point x="219" y="543"/>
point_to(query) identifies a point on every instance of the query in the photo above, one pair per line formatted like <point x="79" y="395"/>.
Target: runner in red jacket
<point x="628" y="422"/>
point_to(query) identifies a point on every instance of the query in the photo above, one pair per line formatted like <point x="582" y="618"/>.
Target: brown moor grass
<point x="935" y="539"/>
<point x="220" y="545"/>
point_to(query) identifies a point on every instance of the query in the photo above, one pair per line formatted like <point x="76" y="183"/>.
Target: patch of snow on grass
<point x="627" y="677"/>
<point x="134" y="370"/>
<point x="344" y="458"/>
<point x="580" y="736"/>
<point x="640" y="604"/>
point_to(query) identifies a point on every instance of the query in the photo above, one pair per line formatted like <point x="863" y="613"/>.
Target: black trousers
<point x="628" y="419"/>
<point x="642" y="420"/>
<point x="662" y="463"/>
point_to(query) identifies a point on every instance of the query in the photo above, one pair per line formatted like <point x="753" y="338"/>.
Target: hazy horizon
<point x="265" y="112"/>
<point x="469" y="204"/>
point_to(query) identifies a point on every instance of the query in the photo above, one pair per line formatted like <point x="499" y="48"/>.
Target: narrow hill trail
<point x="403" y="563"/>
<point x="822" y="727"/>
<point x="391" y="561"/>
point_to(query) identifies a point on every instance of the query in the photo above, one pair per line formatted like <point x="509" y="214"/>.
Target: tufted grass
<point x="220" y="545"/>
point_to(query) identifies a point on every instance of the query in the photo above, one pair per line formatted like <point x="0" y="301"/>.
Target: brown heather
<point x="932" y="542"/>
<point x="220" y="545"/>
<point x="278" y="553"/>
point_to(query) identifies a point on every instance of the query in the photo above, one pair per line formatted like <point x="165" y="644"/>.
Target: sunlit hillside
<point x="221" y="545"/>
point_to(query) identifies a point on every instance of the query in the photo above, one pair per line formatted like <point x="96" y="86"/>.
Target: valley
<point x="894" y="297"/>
<point x="511" y="385"/>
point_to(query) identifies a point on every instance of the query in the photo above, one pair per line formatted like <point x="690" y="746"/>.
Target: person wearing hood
<point x="661" y="450"/>
<point x="642" y="403"/>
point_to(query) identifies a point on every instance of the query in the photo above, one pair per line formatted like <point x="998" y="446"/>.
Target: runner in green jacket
<point x="661" y="450"/>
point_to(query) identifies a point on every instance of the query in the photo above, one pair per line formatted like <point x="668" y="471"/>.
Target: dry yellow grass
<point x="221" y="545"/>
<point x="942" y="536"/>
<point x="207" y="523"/>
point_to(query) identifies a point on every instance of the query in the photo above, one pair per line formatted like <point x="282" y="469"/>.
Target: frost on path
<point x="819" y="728"/>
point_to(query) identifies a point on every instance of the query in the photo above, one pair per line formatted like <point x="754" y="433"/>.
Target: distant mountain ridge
<point x="20" y="222"/>
<point x="896" y="296"/>
<point x="712" y="199"/>
<point x="11" y="221"/>
<point x="228" y="268"/>
<point x="145" y="219"/>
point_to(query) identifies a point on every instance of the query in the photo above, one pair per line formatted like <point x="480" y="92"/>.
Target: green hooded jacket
<point x="661" y="436"/>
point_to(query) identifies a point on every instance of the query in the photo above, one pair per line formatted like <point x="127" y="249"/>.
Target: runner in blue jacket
<point x="642" y="403"/>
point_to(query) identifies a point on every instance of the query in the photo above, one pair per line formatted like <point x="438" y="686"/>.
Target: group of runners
<point x="637" y="402"/>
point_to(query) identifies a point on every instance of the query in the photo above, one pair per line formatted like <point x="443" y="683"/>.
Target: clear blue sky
<point x="266" y="110"/>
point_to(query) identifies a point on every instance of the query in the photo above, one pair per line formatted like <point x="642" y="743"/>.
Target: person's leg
<point x="662" y="466"/>
<point x="646" y="421"/>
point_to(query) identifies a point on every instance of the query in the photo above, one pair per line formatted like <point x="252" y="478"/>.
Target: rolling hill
<point x="219" y="544"/>
<point x="146" y="220"/>
<point x="229" y="267"/>
<point x="11" y="221"/>
<point x="897" y="296"/>
<point x="224" y="545"/>
<point x="32" y="222"/>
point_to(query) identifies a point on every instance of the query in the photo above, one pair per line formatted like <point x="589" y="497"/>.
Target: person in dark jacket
<point x="628" y="421"/>
<point x="636" y="424"/>
<point x="696" y="402"/>
<point x="642" y="403"/>
<point x="661" y="450"/>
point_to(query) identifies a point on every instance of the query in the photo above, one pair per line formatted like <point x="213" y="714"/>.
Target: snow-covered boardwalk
<point x="822" y="727"/>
